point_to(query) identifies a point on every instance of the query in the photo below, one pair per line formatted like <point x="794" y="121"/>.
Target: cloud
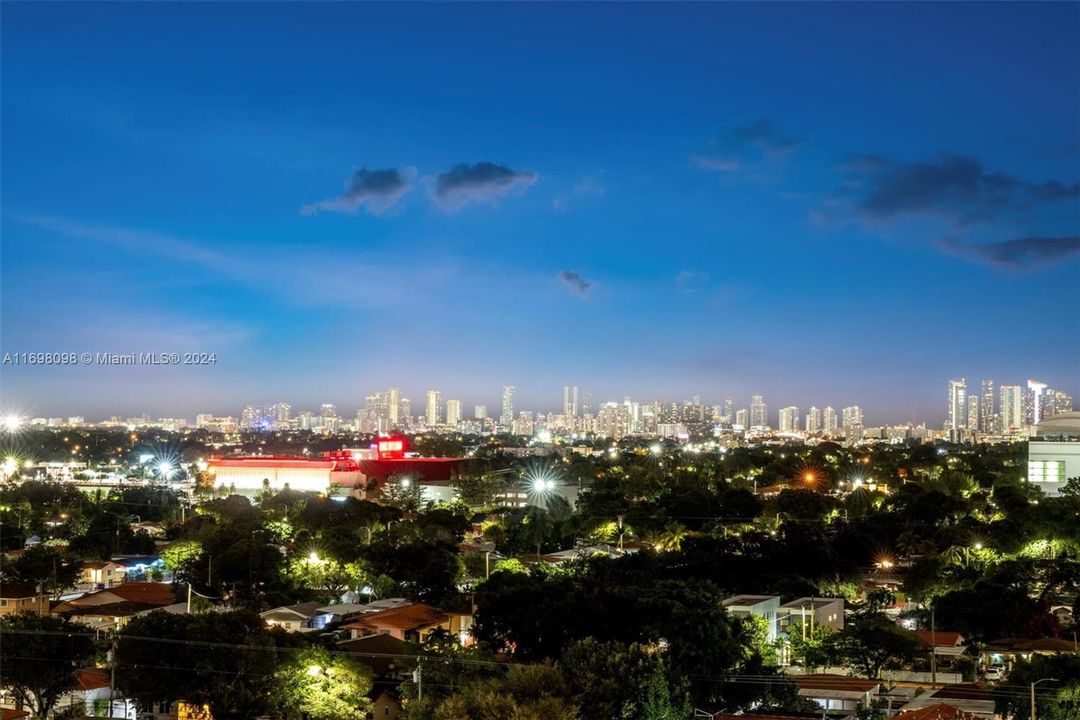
<point x="955" y="187"/>
<point x="689" y="281"/>
<point x="484" y="182"/>
<point x="1016" y="254"/>
<point x="745" y="143"/>
<point x="298" y="273"/>
<point x="575" y="282"/>
<point x="374" y="190"/>
<point x="588" y="186"/>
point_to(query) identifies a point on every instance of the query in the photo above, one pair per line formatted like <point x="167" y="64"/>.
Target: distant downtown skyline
<point x="553" y="404"/>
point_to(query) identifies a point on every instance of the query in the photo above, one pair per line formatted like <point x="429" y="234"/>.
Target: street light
<point x="1047" y="679"/>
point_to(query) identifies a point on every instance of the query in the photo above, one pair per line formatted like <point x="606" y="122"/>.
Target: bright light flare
<point x="655" y="449"/>
<point x="314" y="670"/>
<point x="165" y="469"/>
<point x="13" y="423"/>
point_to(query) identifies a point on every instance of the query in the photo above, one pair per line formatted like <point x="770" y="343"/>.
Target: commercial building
<point x="789" y="419"/>
<point x="1054" y="453"/>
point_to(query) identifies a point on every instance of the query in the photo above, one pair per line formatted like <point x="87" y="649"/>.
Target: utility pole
<point x="1033" y="707"/>
<point x="418" y="677"/>
<point x="933" y="646"/>
<point x="112" y="671"/>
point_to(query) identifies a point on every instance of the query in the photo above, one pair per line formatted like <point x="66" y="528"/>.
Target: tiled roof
<point x="18" y="590"/>
<point x="91" y="679"/>
<point x="834" y="682"/>
<point x="939" y="638"/>
<point x="937" y="712"/>
<point x="408" y="617"/>
<point x="12" y="714"/>
<point x="141" y="592"/>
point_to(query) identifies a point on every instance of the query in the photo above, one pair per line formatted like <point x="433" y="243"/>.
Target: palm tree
<point x="672" y="537"/>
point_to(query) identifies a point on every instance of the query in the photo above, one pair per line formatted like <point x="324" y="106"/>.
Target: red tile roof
<point x="941" y="638"/>
<point x="12" y="714"/>
<point x="151" y="593"/>
<point x="406" y="618"/>
<point x="91" y="679"/>
<point x="937" y="712"/>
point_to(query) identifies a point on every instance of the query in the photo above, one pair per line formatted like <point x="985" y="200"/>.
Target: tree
<point x="613" y="680"/>
<point x="873" y="642"/>
<point x="318" y="685"/>
<point x="1056" y="700"/>
<point x="224" y="660"/>
<point x="46" y="566"/>
<point x="38" y="656"/>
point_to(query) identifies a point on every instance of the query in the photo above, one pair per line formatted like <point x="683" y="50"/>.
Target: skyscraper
<point x="1012" y="408"/>
<point x="393" y="406"/>
<point x="972" y="415"/>
<point x="506" y="417"/>
<point x="986" y="418"/>
<point x="829" y="424"/>
<point x="957" y="414"/>
<point x="1035" y="401"/>
<point x="729" y="412"/>
<point x="453" y="412"/>
<point x="813" y="420"/>
<point x="570" y="400"/>
<point x="759" y="412"/>
<point x="789" y="419"/>
<point x="742" y="418"/>
<point x="433" y="410"/>
<point x="480" y="412"/>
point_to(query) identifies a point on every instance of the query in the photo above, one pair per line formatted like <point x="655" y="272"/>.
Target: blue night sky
<point x="826" y="204"/>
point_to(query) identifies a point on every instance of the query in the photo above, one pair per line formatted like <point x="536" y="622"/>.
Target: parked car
<point x="995" y="672"/>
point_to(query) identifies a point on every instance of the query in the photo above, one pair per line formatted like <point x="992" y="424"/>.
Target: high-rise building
<point x="759" y="412"/>
<point x="570" y="400"/>
<point x="328" y="410"/>
<point x="789" y="419"/>
<point x="742" y="418"/>
<point x="433" y="414"/>
<point x="453" y="412"/>
<point x="506" y="417"/>
<point x="393" y="406"/>
<point x="956" y="417"/>
<point x="828" y="421"/>
<point x="1059" y="402"/>
<point x="729" y="412"/>
<point x="404" y="413"/>
<point x="986" y="418"/>
<point x="972" y="415"/>
<point x="280" y="413"/>
<point x="813" y="420"/>
<point x="853" y="422"/>
<point x="1011" y="408"/>
<point x="480" y="412"/>
<point x="1035" y="401"/>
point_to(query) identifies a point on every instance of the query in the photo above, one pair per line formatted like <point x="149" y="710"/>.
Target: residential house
<point x="947" y="645"/>
<point x="816" y="611"/>
<point x="100" y="574"/>
<point x="838" y="693"/>
<point x="1007" y="650"/>
<point x="90" y="696"/>
<point x="18" y="597"/>
<point x="112" y="607"/>
<point x="763" y="606"/>
<point x="294" y="618"/>
<point x="381" y="652"/>
<point x="972" y="698"/>
<point x="385" y="704"/>
<point x="411" y="622"/>
<point x="937" y="712"/>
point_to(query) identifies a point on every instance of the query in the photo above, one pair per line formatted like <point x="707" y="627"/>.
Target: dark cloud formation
<point x="374" y="190"/>
<point x="1018" y="254"/>
<point x="744" y="143"/>
<point x="486" y="182"/>
<point x="575" y="282"/>
<point x="955" y="187"/>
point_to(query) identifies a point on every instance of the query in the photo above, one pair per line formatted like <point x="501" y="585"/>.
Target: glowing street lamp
<point x="12" y="423"/>
<point x="655" y="449"/>
<point x="314" y="670"/>
<point x="165" y="469"/>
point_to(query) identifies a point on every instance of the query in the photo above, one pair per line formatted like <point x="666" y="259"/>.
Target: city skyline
<point x="1009" y="400"/>
<point x="770" y="200"/>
